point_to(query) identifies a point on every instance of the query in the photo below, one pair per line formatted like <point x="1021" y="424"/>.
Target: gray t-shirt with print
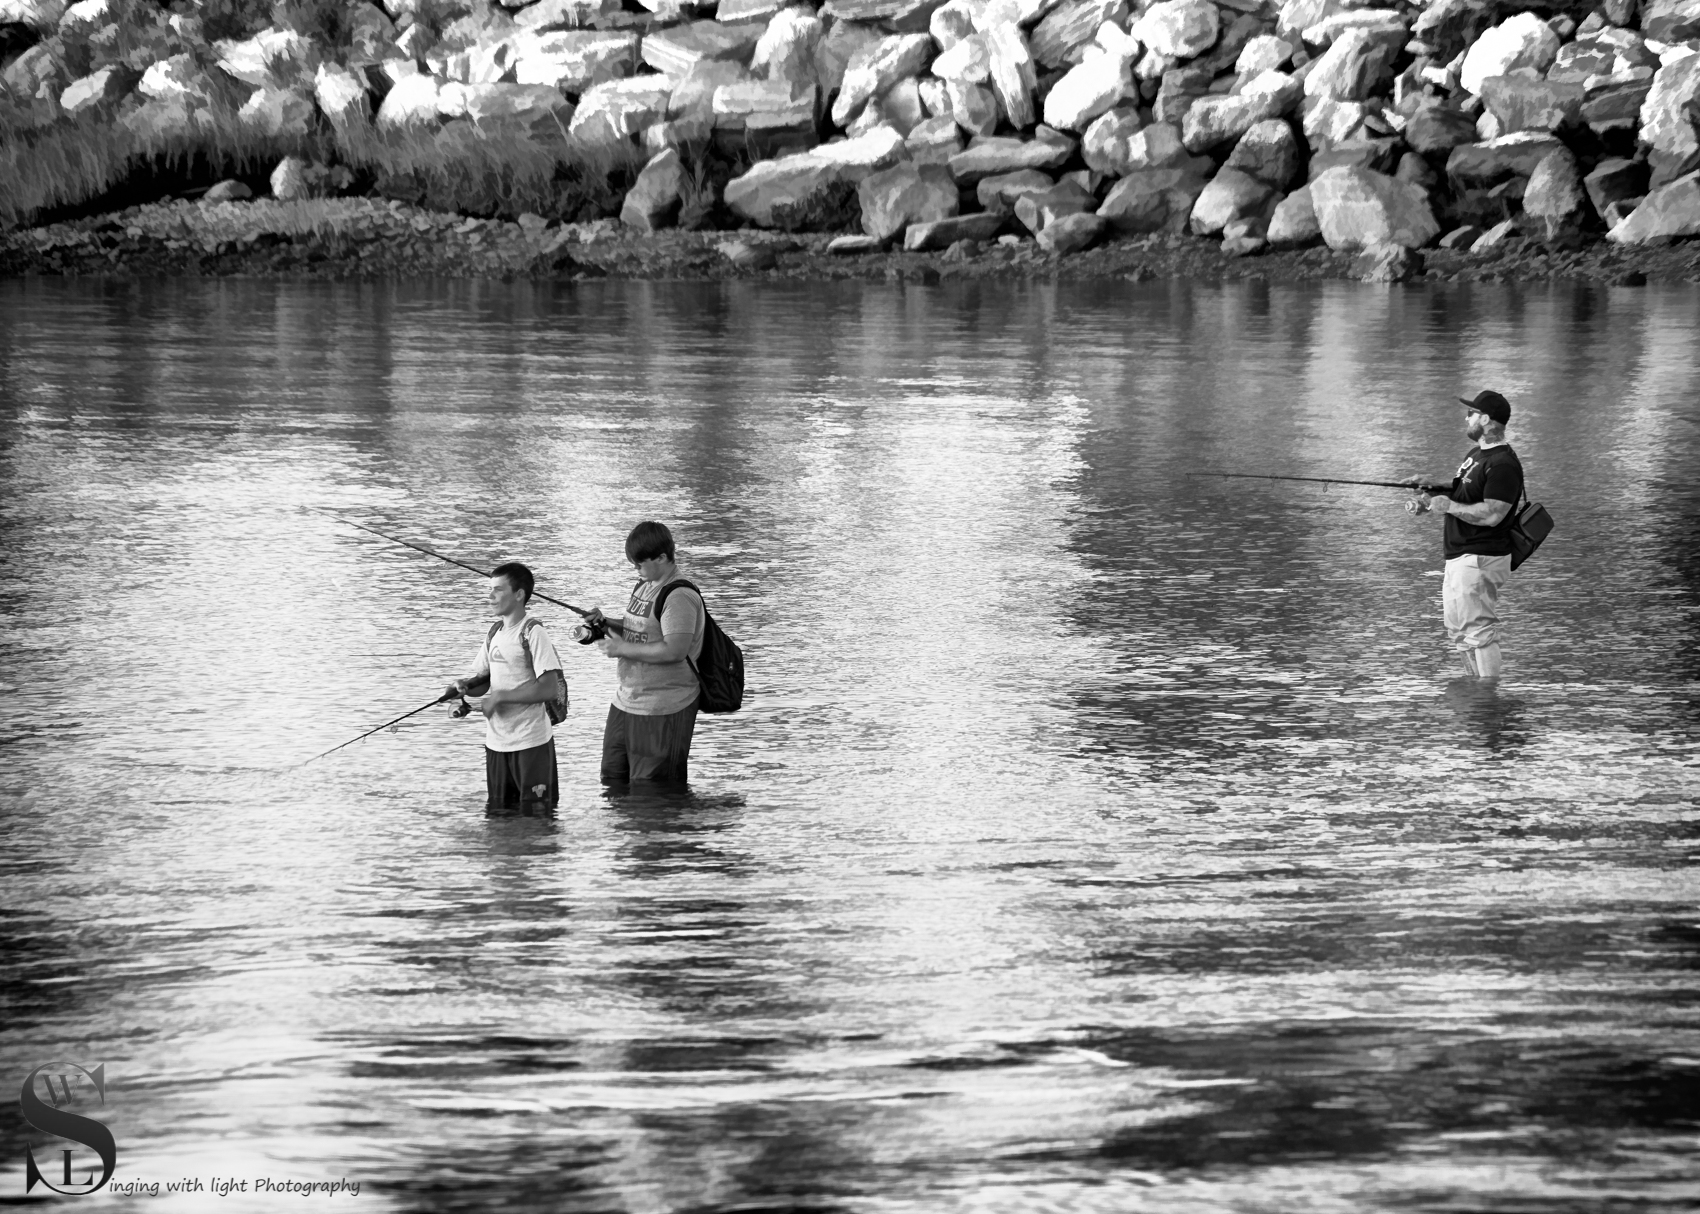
<point x="655" y="689"/>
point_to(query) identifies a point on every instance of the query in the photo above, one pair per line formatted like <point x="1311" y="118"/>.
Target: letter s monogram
<point x="84" y="1130"/>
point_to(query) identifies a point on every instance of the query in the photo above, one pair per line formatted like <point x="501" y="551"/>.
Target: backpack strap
<point x="661" y="600"/>
<point x="669" y="588"/>
<point x="524" y="641"/>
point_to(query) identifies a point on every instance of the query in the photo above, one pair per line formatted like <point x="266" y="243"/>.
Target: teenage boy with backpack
<point x="654" y="713"/>
<point x="518" y="684"/>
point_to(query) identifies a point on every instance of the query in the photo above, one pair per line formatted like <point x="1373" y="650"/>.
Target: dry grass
<point x="499" y="169"/>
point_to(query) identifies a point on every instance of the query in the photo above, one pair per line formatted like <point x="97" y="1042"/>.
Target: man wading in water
<point x="524" y="674"/>
<point x="654" y="713"/>
<point x="1477" y="541"/>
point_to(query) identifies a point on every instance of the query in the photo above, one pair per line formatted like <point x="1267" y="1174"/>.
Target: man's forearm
<point x="538" y="691"/>
<point x="656" y="653"/>
<point x="1486" y="513"/>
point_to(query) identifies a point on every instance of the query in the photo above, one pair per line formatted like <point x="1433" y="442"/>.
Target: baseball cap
<point x="1490" y="403"/>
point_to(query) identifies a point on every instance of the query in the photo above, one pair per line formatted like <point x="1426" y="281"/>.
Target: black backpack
<point x="720" y="667"/>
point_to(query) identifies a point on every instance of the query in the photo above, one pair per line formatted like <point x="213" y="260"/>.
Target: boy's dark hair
<point x="519" y="578"/>
<point x="648" y="541"/>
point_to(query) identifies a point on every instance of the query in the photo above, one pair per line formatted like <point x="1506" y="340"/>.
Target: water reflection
<point x="1096" y="836"/>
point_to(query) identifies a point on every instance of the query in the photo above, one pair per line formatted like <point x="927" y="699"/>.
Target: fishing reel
<point x="590" y="632"/>
<point x="475" y="688"/>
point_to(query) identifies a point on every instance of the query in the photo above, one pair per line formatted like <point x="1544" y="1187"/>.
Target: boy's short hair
<point x="648" y="541"/>
<point x="519" y="578"/>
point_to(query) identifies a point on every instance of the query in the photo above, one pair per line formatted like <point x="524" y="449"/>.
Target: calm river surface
<point x="1096" y="837"/>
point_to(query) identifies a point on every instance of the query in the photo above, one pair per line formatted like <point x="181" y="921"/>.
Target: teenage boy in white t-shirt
<point x="525" y="673"/>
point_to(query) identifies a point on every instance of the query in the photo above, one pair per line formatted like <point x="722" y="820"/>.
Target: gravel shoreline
<point x="371" y="239"/>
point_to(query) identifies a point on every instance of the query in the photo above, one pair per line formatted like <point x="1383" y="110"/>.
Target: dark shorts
<point x="647" y="748"/>
<point x="522" y="777"/>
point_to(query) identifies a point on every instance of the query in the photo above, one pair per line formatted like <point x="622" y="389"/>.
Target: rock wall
<point x="1251" y="122"/>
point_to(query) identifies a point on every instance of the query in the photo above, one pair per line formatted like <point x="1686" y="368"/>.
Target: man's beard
<point x="1474" y="431"/>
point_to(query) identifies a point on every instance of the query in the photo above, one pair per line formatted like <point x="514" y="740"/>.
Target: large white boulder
<point x="672" y="50"/>
<point x="1088" y="91"/>
<point x="1013" y="77"/>
<point x="174" y="77"/>
<point x="692" y="100"/>
<point x="653" y="200"/>
<point x="1356" y="208"/>
<point x="792" y="184"/>
<point x="564" y="14"/>
<point x="974" y="106"/>
<point x="1214" y="120"/>
<point x="43" y="16"/>
<point x="1264" y="53"/>
<point x="786" y="49"/>
<point x="1518" y="42"/>
<point x="875" y="68"/>
<point x="1293" y="223"/>
<point x="1353" y="69"/>
<point x="411" y="101"/>
<point x="97" y="89"/>
<point x="574" y="60"/>
<point x="764" y="105"/>
<point x="997" y="154"/>
<point x="1670" y="116"/>
<point x="75" y="20"/>
<point x="610" y="113"/>
<point x="934" y="140"/>
<point x="341" y="94"/>
<point x="968" y="60"/>
<point x="272" y="56"/>
<point x="1064" y="34"/>
<point x="1667" y="213"/>
<point x="893" y="198"/>
<point x="1178" y="29"/>
<point x="526" y="102"/>
<point x="1230" y="195"/>
<point x="1153" y="200"/>
<point x="1105" y="144"/>
<point x="999" y="194"/>
<point x="1555" y="194"/>
<point x="838" y="45"/>
<point x="1270" y="152"/>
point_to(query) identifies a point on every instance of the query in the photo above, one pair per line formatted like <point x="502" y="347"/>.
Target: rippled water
<point x="1097" y="836"/>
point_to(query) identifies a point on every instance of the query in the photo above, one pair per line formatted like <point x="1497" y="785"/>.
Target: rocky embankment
<point x="1461" y="138"/>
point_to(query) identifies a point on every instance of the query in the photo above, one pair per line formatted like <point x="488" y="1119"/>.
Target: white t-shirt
<point x="517" y="726"/>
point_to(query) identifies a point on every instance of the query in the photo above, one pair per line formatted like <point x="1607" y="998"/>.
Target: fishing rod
<point x="442" y="699"/>
<point x="394" y="539"/>
<point x="1325" y="480"/>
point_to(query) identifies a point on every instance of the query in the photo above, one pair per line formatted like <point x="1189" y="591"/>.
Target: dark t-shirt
<point x="1495" y="473"/>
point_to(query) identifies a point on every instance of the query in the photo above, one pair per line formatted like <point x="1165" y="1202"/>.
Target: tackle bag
<point x="720" y="667"/>
<point x="1529" y="527"/>
<point x="557" y="707"/>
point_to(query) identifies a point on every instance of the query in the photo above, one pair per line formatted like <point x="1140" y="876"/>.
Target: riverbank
<point x="368" y="238"/>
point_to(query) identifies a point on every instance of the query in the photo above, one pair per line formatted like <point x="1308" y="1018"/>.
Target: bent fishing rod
<point x="580" y="611"/>
<point x="1325" y="480"/>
